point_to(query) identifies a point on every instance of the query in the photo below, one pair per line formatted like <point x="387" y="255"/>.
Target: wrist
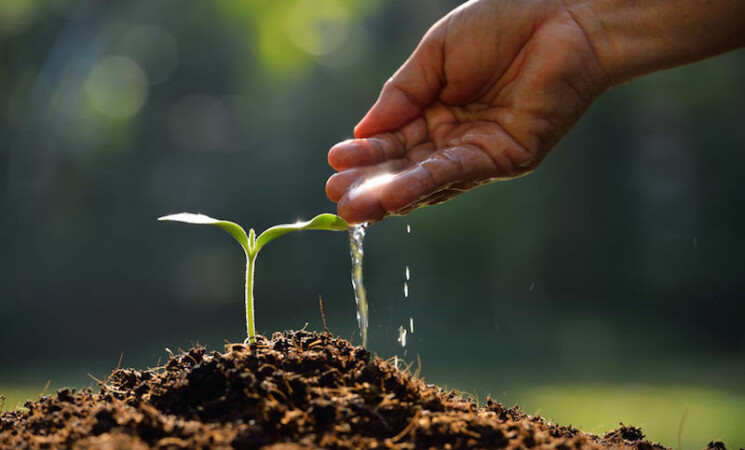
<point x="631" y="39"/>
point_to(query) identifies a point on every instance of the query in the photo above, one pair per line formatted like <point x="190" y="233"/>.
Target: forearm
<point x="636" y="37"/>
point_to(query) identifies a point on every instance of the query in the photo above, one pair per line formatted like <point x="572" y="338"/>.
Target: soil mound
<point x="297" y="390"/>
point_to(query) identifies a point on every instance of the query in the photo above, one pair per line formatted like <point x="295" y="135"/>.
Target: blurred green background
<point x="606" y="287"/>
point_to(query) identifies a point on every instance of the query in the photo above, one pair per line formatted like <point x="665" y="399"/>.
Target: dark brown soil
<point x="298" y="390"/>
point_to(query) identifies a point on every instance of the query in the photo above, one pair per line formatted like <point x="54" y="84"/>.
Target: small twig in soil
<point x="109" y="376"/>
<point x="261" y="367"/>
<point x="407" y="429"/>
<point x="100" y="383"/>
<point x="419" y="366"/>
<point x="323" y="316"/>
<point x="298" y="347"/>
<point x="375" y="413"/>
<point x="157" y="366"/>
<point x="407" y="369"/>
<point x="190" y="357"/>
<point x="282" y="394"/>
<point x="289" y="393"/>
<point x="680" y="428"/>
<point x="46" y="386"/>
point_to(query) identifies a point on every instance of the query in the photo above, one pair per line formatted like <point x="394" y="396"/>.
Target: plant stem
<point x="250" y="326"/>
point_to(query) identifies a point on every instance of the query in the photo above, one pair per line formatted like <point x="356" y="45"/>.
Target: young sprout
<point x="252" y="244"/>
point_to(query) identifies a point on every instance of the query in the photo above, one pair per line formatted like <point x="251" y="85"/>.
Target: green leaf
<point x="329" y="222"/>
<point x="234" y="229"/>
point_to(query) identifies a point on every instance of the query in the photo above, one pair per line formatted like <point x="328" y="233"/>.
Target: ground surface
<point x="297" y="390"/>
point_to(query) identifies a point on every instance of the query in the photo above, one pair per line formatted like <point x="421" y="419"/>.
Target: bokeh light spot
<point x="16" y="16"/>
<point x="154" y="49"/>
<point x="318" y="27"/>
<point x="349" y="51"/>
<point x="116" y="87"/>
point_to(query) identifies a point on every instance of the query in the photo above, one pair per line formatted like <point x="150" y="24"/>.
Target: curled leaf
<point x="327" y="221"/>
<point x="234" y="229"/>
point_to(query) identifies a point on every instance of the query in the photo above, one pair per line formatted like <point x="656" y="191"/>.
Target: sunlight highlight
<point x="371" y="183"/>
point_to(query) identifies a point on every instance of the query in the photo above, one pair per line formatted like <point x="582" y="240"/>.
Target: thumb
<point x="408" y="92"/>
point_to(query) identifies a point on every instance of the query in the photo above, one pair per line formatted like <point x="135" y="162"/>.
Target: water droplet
<point x="395" y="361"/>
<point x="116" y="87"/>
<point x="356" y="238"/>
<point x="411" y="325"/>
<point x="408" y="273"/>
<point x="406" y="290"/>
<point x="532" y="285"/>
<point x="402" y="336"/>
<point x="408" y="229"/>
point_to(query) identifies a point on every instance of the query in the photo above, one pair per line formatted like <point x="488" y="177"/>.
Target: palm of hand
<point x="477" y="102"/>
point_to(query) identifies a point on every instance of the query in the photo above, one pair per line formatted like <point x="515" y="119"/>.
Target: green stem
<point x="250" y="326"/>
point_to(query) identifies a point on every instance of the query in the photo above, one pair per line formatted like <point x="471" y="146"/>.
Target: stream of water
<point x="356" y="251"/>
<point x="356" y="239"/>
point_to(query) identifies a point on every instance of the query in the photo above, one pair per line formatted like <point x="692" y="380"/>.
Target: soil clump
<point x="297" y="390"/>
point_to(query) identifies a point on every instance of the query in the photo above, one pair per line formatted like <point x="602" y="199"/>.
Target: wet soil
<point x="297" y="390"/>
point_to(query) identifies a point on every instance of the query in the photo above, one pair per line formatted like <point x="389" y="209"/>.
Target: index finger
<point x="365" y="152"/>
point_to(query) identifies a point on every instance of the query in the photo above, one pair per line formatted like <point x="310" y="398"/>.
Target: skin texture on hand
<point x="495" y="84"/>
<point x="487" y="93"/>
<point x="633" y="38"/>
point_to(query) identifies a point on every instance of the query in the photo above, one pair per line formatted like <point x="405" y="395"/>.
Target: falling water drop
<point x="407" y="275"/>
<point x="356" y="238"/>
<point x="402" y="336"/>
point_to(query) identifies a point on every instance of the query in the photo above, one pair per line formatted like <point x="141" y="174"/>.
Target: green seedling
<point x="252" y="245"/>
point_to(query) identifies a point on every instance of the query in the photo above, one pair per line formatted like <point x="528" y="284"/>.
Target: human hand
<point x="488" y="92"/>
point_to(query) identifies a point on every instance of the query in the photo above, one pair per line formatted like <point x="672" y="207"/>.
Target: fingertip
<point x="331" y="192"/>
<point x="352" y="153"/>
<point x="393" y="110"/>
<point x="367" y="127"/>
<point x="360" y="209"/>
<point x="361" y="129"/>
<point x="336" y="155"/>
<point x="339" y="183"/>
